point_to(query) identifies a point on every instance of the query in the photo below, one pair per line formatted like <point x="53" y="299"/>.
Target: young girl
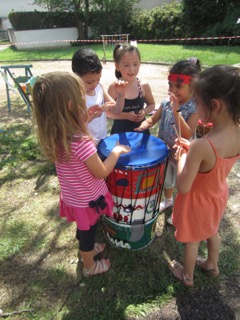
<point x="203" y="166"/>
<point x="177" y="114"/>
<point x="86" y="64"/>
<point x="137" y="94"/>
<point x="61" y="116"/>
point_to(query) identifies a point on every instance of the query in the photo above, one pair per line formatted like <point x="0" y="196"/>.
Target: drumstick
<point x="179" y="125"/>
<point x="173" y="124"/>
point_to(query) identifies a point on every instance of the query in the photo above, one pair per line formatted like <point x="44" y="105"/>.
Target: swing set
<point x="110" y="41"/>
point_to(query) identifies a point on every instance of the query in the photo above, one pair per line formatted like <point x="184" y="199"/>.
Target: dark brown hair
<point x="220" y="82"/>
<point x="119" y="52"/>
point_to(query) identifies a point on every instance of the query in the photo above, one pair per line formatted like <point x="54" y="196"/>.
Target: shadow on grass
<point x="39" y="274"/>
<point x="39" y="268"/>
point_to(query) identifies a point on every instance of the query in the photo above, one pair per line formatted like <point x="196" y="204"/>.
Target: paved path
<point x="154" y="74"/>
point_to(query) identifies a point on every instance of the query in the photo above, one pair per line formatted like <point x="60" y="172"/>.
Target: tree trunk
<point x="86" y="19"/>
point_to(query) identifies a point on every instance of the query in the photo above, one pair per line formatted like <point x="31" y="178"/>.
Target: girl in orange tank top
<point x="203" y="166"/>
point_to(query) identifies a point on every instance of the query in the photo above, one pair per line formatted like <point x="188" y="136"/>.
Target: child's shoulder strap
<point x="212" y="145"/>
<point x="140" y="88"/>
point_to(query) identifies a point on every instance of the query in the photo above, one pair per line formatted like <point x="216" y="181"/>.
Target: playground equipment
<point x="110" y="40"/>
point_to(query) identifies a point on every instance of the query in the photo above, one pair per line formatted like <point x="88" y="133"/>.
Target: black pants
<point x="87" y="238"/>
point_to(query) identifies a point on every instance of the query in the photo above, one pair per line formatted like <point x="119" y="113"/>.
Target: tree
<point x="201" y="14"/>
<point x="75" y="6"/>
<point x="110" y="15"/>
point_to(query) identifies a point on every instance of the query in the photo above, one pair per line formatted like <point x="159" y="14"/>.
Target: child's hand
<point x="144" y="126"/>
<point x="94" y="111"/>
<point x="120" y="87"/>
<point x="141" y="115"/>
<point x="181" y="146"/>
<point x="173" y="102"/>
<point x="108" y="105"/>
<point x="121" y="148"/>
<point x="132" y="116"/>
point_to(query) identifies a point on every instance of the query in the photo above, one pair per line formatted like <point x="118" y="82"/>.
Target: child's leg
<point x="88" y="250"/>
<point x="185" y="273"/>
<point x="189" y="258"/>
<point x="213" y="245"/>
<point x="169" y="183"/>
<point x="86" y="245"/>
<point x="211" y="263"/>
<point x="168" y="193"/>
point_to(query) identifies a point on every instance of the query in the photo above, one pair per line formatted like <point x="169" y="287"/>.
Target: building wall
<point x="149" y="4"/>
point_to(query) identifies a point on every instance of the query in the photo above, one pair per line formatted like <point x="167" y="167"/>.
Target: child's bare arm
<point x="189" y="162"/>
<point x="148" y="96"/>
<point x="101" y="169"/>
<point x="151" y="121"/>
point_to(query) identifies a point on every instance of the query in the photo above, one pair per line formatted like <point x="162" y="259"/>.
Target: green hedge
<point x="42" y="20"/>
<point x="170" y="21"/>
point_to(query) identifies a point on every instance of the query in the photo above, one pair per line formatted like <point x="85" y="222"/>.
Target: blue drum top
<point x="147" y="150"/>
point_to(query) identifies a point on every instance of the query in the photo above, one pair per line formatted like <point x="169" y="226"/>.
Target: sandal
<point x="201" y="263"/>
<point x="177" y="271"/>
<point x="98" y="248"/>
<point x="99" y="267"/>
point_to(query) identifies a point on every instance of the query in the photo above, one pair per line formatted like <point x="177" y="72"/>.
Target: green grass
<point x="38" y="253"/>
<point x="157" y="53"/>
<point x="38" y="257"/>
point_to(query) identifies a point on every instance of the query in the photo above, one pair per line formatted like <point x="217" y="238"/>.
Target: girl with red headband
<point x="178" y="117"/>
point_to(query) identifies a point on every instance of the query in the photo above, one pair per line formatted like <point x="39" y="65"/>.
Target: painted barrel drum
<point x="136" y="185"/>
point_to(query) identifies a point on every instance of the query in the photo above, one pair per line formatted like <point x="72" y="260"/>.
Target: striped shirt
<point x="77" y="183"/>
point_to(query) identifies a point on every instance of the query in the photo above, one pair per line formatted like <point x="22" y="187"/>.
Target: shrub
<point x="41" y="20"/>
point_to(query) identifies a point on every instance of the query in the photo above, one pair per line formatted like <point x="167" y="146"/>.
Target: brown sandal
<point x="99" y="267"/>
<point x="177" y="271"/>
<point x="201" y="263"/>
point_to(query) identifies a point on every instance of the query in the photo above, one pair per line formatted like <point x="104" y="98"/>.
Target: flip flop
<point x="100" y="266"/>
<point x="201" y="263"/>
<point x="177" y="271"/>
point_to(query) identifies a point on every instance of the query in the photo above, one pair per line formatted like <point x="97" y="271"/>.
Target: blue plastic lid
<point x="147" y="150"/>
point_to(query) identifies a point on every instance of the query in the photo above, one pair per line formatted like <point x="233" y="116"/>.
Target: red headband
<point x="180" y="78"/>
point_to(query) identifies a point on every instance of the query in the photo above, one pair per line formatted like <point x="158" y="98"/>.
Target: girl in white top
<point x="86" y="64"/>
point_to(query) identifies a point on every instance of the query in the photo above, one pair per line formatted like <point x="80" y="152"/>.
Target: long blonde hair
<point x="60" y="113"/>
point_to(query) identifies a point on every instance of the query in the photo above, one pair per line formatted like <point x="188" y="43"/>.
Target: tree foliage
<point x="106" y="16"/>
<point x="60" y="5"/>
<point x="201" y="14"/>
<point x="161" y="22"/>
<point x="111" y="16"/>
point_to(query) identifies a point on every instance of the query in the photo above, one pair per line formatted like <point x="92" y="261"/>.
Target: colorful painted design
<point x="131" y="237"/>
<point x="136" y="186"/>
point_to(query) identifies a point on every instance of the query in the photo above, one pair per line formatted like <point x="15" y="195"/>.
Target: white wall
<point x="150" y="4"/>
<point x="44" y="38"/>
